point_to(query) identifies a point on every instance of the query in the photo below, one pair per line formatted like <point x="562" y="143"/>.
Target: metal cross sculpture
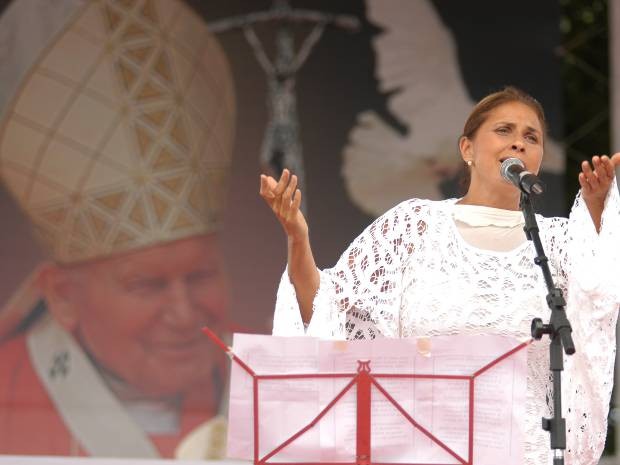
<point x="281" y="146"/>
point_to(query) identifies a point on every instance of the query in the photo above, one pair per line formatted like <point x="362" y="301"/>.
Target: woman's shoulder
<point x="421" y="207"/>
<point x="413" y="215"/>
<point x="552" y="222"/>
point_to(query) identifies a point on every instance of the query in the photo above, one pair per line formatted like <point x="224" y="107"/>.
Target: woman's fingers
<point x="281" y="196"/>
<point x="294" y="206"/>
<point x="608" y="167"/>
<point x="602" y="168"/>
<point x="284" y="199"/>
<point x="267" y="183"/>
<point x="282" y="183"/>
<point x="287" y="197"/>
<point x="293" y="219"/>
<point x="583" y="182"/>
<point x="589" y="173"/>
<point x="278" y="190"/>
<point x="596" y="178"/>
<point x="600" y="171"/>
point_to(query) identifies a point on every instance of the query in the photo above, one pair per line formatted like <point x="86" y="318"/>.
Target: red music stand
<point x="363" y="380"/>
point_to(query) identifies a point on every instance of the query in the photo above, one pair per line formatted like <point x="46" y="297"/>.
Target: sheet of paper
<point x="439" y="406"/>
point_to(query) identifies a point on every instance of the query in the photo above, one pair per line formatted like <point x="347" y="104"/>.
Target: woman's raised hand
<point x="284" y="199"/>
<point x="595" y="181"/>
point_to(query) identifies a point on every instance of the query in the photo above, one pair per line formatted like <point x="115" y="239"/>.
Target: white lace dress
<point x="411" y="273"/>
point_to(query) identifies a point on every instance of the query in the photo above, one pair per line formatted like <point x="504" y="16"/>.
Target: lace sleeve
<point x="360" y="296"/>
<point x="587" y="261"/>
<point x="287" y="317"/>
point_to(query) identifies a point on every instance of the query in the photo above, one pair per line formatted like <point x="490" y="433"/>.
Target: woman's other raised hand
<point x="595" y="181"/>
<point x="284" y="199"/>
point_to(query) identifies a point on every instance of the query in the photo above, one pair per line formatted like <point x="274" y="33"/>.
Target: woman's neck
<point x="506" y="199"/>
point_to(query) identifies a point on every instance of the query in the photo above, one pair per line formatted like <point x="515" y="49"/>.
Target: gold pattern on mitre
<point x="120" y="135"/>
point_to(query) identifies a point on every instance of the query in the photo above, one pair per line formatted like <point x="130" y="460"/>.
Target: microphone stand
<point x="558" y="329"/>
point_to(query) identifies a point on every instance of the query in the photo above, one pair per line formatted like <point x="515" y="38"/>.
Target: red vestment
<point x="29" y="421"/>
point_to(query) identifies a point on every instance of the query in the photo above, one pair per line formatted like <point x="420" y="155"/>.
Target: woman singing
<point x="464" y="266"/>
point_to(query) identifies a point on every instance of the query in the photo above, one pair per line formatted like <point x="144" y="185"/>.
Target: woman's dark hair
<point x="481" y="111"/>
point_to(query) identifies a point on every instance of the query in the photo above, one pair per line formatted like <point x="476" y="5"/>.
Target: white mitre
<point x="119" y="135"/>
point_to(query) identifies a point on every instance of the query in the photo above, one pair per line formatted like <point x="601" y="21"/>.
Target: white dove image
<point x="416" y="61"/>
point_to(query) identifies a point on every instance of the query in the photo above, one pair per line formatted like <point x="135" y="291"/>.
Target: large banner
<point x="132" y="136"/>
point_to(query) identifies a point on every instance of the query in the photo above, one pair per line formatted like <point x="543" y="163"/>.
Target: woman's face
<point x="510" y="130"/>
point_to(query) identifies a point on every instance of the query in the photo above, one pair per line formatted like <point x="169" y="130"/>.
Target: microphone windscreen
<point x="507" y="164"/>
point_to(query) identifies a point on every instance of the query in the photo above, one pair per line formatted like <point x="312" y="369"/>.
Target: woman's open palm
<point x="284" y="199"/>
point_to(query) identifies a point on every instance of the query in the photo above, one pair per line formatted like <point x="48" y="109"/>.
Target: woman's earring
<point x="469" y="162"/>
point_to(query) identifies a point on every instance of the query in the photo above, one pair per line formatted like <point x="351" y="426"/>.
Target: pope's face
<point x="140" y="314"/>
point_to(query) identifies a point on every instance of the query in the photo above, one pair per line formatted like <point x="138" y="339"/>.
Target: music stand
<point x="363" y="380"/>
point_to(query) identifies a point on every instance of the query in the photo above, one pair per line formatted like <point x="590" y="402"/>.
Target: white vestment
<point x="412" y="274"/>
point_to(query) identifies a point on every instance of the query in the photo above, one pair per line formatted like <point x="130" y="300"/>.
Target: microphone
<point x="513" y="170"/>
